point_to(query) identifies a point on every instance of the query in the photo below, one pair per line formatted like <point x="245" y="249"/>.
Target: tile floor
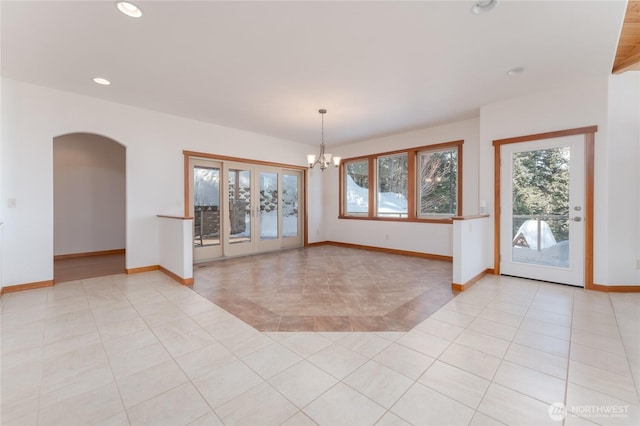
<point x="327" y="288"/>
<point x="142" y="350"/>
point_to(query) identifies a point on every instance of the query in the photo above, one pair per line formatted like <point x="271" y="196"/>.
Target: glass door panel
<point x="205" y="209"/>
<point x="542" y="220"/>
<point x="290" y="205"/>
<point x="239" y="205"/>
<point x="268" y="212"/>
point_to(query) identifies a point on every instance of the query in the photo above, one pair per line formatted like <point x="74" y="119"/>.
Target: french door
<point x="542" y="217"/>
<point x="242" y="209"/>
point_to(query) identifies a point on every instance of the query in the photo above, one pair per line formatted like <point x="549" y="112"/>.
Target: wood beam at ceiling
<point x="628" y="53"/>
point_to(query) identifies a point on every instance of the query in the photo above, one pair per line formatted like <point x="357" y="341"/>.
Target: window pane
<point x="289" y="205"/>
<point x="438" y="194"/>
<point x="357" y="184"/>
<point x="206" y="209"/>
<point x="268" y="206"/>
<point x="392" y="186"/>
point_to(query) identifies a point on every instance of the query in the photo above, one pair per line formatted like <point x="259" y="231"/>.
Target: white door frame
<point x="589" y="139"/>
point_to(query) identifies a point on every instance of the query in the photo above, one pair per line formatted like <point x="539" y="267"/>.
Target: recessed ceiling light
<point x="483" y="6"/>
<point x="101" y="81"/>
<point x="515" y="71"/>
<point x="129" y="9"/>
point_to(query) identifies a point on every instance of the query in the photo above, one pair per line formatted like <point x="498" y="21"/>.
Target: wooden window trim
<point x="412" y="213"/>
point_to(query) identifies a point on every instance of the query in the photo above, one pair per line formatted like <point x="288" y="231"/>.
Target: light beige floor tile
<point x="115" y="329"/>
<point x="471" y="360"/>
<point x="124" y="344"/>
<point x="455" y="383"/>
<point x="226" y="382"/>
<point x="177" y="406"/>
<point x="246" y="343"/>
<point x="299" y="419"/>
<point x="571" y="420"/>
<point x="593" y="326"/>
<point x="492" y="328"/>
<point x="202" y="361"/>
<point x="501" y="317"/>
<point x="530" y="382"/>
<point x="427" y="344"/>
<point x="185" y="343"/>
<point x="303" y="383"/>
<point x="542" y="343"/>
<point x="19" y="411"/>
<point x="513" y="408"/>
<point x="151" y="382"/>
<point x="438" y="328"/>
<point x="88" y="408"/>
<point x="457" y="305"/>
<point x="271" y="360"/>
<point x="306" y="344"/>
<point x="392" y="336"/>
<point x="618" y="386"/>
<point x="404" y="360"/>
<point x="612" y="343"/>
<point x="366" y="344"/>
<point x="480" y="419"/>
<point x="617" y="364"/>
<point x="261" y="405"/>
<point x="421" y="405"/>
<point x="343" y="405"/>
<point x="546" y="328"/>
<point x="21" y="381"/>
<point x="209" y="419"/>
<point x="139" y="359"/>
<point x="179" y="327"/>
<point x="81" y="381"/>
<point x="452" y="317"/>
<point x="599" y="408"/>
<point x="379" y="383"/>
<point x="86" y="365"/>
<point x="390" y="419"/>
<point x="537" y="360"/>
<point x="483" y="343"/>
<point x="338" y="360"/>
<point x="508" y="307"/>
<point x="560" y="319"/>
<point x="119" y="419"/>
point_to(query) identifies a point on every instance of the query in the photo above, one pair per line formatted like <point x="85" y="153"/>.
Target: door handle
<point x="576" y="219"/>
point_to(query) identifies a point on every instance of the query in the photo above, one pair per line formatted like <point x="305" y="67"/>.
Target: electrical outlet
<point x="12" y="204"/>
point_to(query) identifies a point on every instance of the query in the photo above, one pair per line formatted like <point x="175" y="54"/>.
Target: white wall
<point x="32" y="116"/>
<point x="429" y="238"/>
<point x="623" y="183"/>
<point x="89" y="194"/>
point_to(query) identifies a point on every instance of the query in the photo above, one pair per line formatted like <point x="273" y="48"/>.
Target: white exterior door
<point x="542" y="217"/>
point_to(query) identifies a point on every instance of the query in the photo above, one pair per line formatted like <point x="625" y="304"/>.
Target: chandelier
<point x="324" y="159"/>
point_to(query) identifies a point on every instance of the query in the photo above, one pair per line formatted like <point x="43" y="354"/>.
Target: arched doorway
<point x="89" y="196"/>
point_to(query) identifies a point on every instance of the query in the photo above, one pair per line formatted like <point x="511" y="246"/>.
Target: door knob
<point x="576" y="219"/>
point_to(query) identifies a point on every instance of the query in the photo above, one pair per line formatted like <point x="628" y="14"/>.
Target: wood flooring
<point x="79" y="268"/>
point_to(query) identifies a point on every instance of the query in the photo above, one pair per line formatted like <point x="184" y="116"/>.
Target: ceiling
<point x="378" y="67"/>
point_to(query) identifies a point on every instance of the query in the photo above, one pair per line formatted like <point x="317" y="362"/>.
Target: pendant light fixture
<point x="324" y="159"/>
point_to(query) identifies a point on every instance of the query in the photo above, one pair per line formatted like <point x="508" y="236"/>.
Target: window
<point x="392" y="184"/>
<point x="416" y="184"/>
<point x="356" y="187"/>
<point x="438" y="183"/>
